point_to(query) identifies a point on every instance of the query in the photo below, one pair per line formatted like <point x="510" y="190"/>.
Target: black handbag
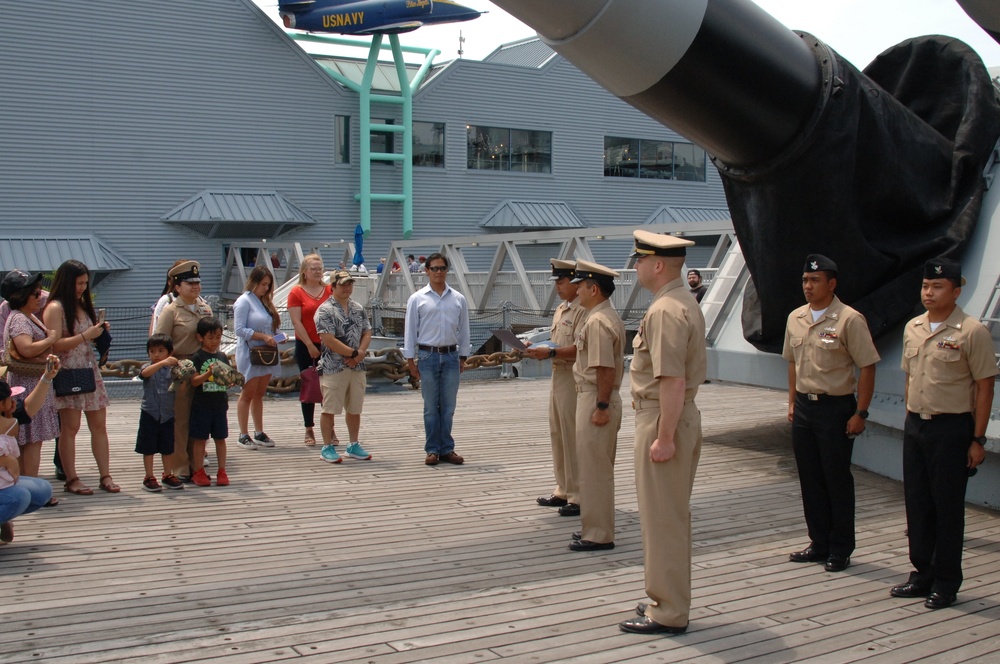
<point x="264" y="357"/>
<point x="70" y="382"/>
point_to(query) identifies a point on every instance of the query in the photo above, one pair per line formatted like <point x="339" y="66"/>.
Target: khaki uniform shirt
<point x="181" y="324"/>
<point x="600" y="342"/>
<point x="942" y="367"/>
<point x="826" y="352"/>
<point x="566" y="321"/>
<point x="670" y="343"/>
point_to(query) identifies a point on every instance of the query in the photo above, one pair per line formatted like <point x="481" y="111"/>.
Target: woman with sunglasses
<point x="26" y="334"/>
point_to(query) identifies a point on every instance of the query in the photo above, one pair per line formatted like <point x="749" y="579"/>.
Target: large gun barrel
<point x="879" y="170"/>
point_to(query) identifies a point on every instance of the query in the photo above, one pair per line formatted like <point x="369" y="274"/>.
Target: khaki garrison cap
<point x="186" y="271"/>
<point x="562" y="268"/>
<point x="595" y="271"/>
<point x="656" y="244"/>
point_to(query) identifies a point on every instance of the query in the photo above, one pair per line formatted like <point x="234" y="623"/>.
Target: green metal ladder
<point x="367" y="96"/>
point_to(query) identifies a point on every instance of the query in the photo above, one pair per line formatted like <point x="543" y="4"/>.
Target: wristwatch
<point x="980" y="439"/>
<point x="354" y="354"/>
<point x="863" y="414"/>
<point x="552" y="353"/>
<point x="602" y="405"/>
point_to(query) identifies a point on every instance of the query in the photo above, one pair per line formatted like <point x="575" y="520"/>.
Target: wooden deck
<point x="390" y="561"/>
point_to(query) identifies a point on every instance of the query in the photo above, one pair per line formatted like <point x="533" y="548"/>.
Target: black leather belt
<point x="438" y="349"/>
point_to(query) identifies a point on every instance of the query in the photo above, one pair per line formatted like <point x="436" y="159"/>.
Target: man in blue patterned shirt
<point x="345" y="332"/>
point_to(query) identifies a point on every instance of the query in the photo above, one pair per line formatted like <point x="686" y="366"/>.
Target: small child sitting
<point x="156" y="414"/>
<point x="210" y="404"/>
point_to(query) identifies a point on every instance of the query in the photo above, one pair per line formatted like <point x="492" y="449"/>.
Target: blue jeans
<point x="28" y="495"/>
<point x="439" y="375"/>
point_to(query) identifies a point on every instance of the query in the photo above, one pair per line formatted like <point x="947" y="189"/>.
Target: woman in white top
<point x="255" y="321"/>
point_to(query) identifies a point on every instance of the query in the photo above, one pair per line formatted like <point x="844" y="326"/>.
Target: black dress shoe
<point x="551" y="501"/>
<point x="809" y="554"/>
<point x="646" y="625"/>
<point x="587" y="545"/>
<point x="569" y="509"/>
<point x="940" y="600"/>
<point x="909" y="590"/>
<point x="837" y="563"/>
<point x="578" y="535"/>
<point x="60" y="474"/>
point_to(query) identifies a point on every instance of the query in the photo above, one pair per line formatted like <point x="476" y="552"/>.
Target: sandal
<point x="53" y="501"/>
<point x="310" y="438"/>
<point x="81" y="490"/>
<point x="109" y="486"/>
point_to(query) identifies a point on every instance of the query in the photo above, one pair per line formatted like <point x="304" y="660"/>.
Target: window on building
<point x="342" y="139"/>
<point x="500" y="149"/>
<point x="383" y="141"/>
<point x="659" y="160"/>
<point x="428" y="144"/>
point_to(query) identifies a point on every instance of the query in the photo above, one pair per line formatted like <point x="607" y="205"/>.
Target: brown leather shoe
<point x="452" y="457"/>
<point x="431" y="460"/>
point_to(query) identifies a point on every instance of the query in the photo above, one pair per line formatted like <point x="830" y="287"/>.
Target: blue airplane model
<point x="368" y="17"/>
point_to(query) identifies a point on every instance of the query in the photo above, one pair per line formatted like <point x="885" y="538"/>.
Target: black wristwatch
<point x="602" y="405"/>
<point x="354" y="354"/>
<point x="863" y="414"/>
<point x="552" y="353"/>
<point x="980" y="439"/>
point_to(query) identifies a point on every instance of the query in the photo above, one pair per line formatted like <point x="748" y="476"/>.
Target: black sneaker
<point x="172" y="482"/>
<point x="150" y="484"/>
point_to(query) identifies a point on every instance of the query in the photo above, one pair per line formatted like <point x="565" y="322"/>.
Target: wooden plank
<point x="391" y="561"/>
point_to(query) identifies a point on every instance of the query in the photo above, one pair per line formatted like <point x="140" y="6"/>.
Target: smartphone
<point x="279" y="337"/>
<point x="50" y="364"/>
<point x="100" y="316"/>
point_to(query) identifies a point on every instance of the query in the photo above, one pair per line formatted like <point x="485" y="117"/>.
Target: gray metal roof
<point x="667" y="214"/>
<point x="529" y="52"/>
<point x="239" y="214"/>
<point x="533" y="215"/>
<point x="385" y="79"/>
<point x="47" y="254"/>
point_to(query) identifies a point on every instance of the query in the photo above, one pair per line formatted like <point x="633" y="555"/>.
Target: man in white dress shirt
<point x="436" y="342"/>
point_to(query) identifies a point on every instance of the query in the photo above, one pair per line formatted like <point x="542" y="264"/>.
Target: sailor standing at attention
<point x="562" y="401"/>
<point x="598" y="370"/>
<point x="824" y="341"/>
<point x="668" y="366"/>
<point x="950" y="369"/>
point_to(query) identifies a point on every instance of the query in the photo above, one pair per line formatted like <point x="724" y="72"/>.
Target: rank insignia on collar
<point x="833" y="316"/>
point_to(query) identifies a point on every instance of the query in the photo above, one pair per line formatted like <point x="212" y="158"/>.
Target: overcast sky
<point x="857" y="29"/>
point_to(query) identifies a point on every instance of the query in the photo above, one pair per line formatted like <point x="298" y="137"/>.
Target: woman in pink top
<point x="303" y="301"/>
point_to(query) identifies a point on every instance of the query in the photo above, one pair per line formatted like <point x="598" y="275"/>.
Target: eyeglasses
<point x="315" y="268"/>
<point x="438" y="268"/>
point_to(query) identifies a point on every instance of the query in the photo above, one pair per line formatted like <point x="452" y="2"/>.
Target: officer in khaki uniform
<point x="825" y="341"/>
<point x="950" y="370"/>
<point x="179" y="321"/>
<point x="562" y="401"/>
<point x="598" y="370"/>
<point x="668" y="366"/>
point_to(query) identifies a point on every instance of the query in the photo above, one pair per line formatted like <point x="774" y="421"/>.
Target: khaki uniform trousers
<point x="664" y="491"/>
<point x="595" y="457"/>
<point x="562" y="429"/>
<point x="181" y="458"/>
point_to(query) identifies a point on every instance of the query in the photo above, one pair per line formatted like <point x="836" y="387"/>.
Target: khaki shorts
<point x="344" y="388"/>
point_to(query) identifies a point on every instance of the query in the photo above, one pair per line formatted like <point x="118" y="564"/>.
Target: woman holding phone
<point x="70" y="310"/>
<point x="255" y="322"/>
<point x="32" y="340"/>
